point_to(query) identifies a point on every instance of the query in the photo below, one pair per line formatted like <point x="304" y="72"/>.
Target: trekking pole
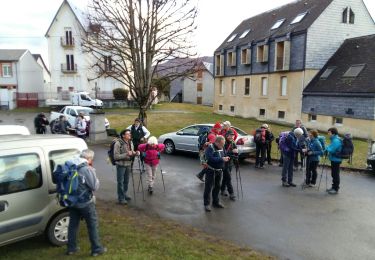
<point x="162" y="175"/>
<point x="321" y="175"/>
<point x="133" y="183"/>
<point x="238" y="190"/>
<point x="304" y="161"/>
<point x="140" y="178"/>
<point x="239" y="175"/>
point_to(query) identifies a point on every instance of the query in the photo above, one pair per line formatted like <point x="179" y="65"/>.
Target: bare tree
<point x="131" y="39"/>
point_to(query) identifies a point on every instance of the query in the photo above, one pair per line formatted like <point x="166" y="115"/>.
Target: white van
<point x="28" y="202"/>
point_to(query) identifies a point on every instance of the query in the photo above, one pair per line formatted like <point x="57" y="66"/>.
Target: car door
<point x="187" y="139"/>
<point x="23" y="193"/>
<point x="72" y="117"/>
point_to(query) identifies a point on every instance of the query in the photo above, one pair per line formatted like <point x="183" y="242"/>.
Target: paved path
<point x="286" y="222"/>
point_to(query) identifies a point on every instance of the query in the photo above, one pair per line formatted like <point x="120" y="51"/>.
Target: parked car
<point x="186" y="139"/>
<point x="76" y="99"/>
<point x="371" y="158"/>
<point x="14" y="130"/>
<point x="28" y="202"/>
<point x="71" y="113"/>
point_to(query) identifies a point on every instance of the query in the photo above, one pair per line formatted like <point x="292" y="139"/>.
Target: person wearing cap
<point x="301" y="143"/>
<point x="138" y="132"/>
<point x="231" y="151"/>
<point x="211" y="137"/>
<point x="228" y="126"/>
<point x="269" y="139"/>
<point x="288" y="157"/>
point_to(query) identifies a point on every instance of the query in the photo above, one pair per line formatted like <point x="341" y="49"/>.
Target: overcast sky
<point x="23" y="23"/>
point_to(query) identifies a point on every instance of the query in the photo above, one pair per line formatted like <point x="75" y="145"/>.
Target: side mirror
<point x="180" y="133"/>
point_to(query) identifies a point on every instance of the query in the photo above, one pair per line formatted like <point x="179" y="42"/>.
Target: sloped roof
<point x="182" y="65"/>
<point x="36" y="57"/>
<point x="353" y="51"/>
<point x="11" y="54"/>
<point x="79" y="15"/>
<point x="261" y="24"/>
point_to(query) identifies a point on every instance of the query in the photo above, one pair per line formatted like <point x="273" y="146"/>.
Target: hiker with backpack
<point x="123" y="156"/>
<point x="288" y="147"/>
<point x="231" y="150"/>
<point x="83" y="207"/>
<point x="138" y="132"/>
<point x="151" y="155"/>
<point x="261" y="139"/>
<point x="313" y="151"/>
<point x="81" y="127"/>
<point x="269" y="145"/>
<point x="211" y="137"/>
<point x="226" y="127"/>
<point x="335" y="156"/>
<point x="301" y="144"/>
<point x="40" y="123"/>
<point x="216" y="158"/>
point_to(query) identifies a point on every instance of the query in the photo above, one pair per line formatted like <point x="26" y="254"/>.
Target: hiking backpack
<point x="67" y="181"/>
<point x="260" y="136"/>
<point x="203" y="138"/>
<point x="322" y="141"/>
<point x="282" y="142"/>
<point x="149" y="148"/>
<point x="111" y="152"/>
<point x="347" y="147"/>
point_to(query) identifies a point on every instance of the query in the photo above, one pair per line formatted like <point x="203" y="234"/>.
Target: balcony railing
<point x="68" y="69"/>
<point x="67" y="42"/>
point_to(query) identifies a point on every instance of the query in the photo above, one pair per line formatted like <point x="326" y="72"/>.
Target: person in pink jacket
<point x="151" y="154"/>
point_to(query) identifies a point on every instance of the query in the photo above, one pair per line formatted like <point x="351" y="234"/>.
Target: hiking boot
<point x="261" y="167"/>
<point x="285" y="184"/>
<point x="200" y="177"/>
<point x="73" y="252"/>
<point x="101" y="252"/>
<point x="312" y="185"/>
<point x="331" y="189"/>
<point x="128" y="198"/>
<point x="270" y="163"/>
<point x="291" y="184"/>
<point x="207" y="208"/>
<point x="224" y="193"/>
<point x="232" y="197"/>
<point x="333" y="192"/>
<point x="256" y="166"/>
<point x="280" y="165"/>
<point x="305" y="185"/>
<point x="150" y="190"/>
<point x="218" y="205"/>
<point x="123" y="202"/>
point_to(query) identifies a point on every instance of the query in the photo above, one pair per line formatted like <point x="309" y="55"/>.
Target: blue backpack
<point x="67" y="182"/>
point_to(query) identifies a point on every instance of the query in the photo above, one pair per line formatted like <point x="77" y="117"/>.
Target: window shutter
<point x="1" y="70"/>
<point x="222" y="65"/>
<point x="248" y="56"/>
<point x="265" y="53"/>
<point x="286" y="63"/>
<point x="234" y="58"/>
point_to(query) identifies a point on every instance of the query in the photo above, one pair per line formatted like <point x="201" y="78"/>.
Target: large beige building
<point x="263" y="66"/>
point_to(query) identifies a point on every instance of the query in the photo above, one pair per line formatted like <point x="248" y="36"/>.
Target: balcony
<point x="68" y="69"/>
<point x="67" y="42"/>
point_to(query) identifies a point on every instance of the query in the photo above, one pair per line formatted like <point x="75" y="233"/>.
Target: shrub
<point x="120" y="93"/>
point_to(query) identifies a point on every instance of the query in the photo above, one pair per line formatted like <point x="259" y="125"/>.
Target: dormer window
<point x="232" y="37"/>
<point x="299" y="18"/>
<point x="348" y="15"/>
<point x="327" y="72"/>
<point x="354" y="71"/>
<point x="278" y="24"/>
<point x="245" y="33"/>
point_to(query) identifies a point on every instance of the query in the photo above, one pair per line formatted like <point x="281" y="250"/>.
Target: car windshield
<point x="85" y="111"/>
<point x="239" y="131"/>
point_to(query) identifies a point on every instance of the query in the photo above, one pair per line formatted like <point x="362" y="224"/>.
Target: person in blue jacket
<point x="332" y="149"/>
<point x="314" y="150"/>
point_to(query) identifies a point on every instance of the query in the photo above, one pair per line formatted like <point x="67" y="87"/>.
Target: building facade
<point x="263" y="66"/>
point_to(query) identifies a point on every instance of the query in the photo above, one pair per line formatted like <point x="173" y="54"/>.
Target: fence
<point x="27" y="100"/>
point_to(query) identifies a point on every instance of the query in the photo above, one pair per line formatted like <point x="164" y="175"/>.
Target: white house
<point x="199" y="87"/>
<point x="21" y="79"/>
<point x="70" y="67"/>
<point x="46" y="76"/>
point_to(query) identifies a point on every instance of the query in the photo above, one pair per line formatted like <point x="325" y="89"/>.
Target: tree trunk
<point x="143" y="116"/>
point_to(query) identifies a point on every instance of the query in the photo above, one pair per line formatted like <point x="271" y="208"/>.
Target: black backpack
<point x="347" y="148"/>
<point x="203" y="138"/>
<point x="260" y="136"/>
<point x="111" y="151"/>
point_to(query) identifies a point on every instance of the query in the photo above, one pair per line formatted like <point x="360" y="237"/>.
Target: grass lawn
<point x="130" y="234"/>
<point x="169" y="117"/>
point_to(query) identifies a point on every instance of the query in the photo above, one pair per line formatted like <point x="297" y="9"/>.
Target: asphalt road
<point x="289" y="223"/>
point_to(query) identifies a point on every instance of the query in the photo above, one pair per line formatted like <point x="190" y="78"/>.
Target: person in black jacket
<point x="231" y="150"/>
<point x="301" y="144"/>
<point x="262" y="139"/>
<point x="139" y="133"/>
<point x="41" y="122"/>
<point x="269" y="139"/>
<point x="215" y="156"/>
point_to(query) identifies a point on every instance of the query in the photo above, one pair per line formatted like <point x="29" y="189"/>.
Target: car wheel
<point x="57" y="231"/>
<point x="169" y="147"/>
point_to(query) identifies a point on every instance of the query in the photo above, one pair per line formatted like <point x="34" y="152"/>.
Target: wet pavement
<point x="289" y="223"/>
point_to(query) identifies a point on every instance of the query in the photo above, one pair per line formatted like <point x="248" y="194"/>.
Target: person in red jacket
<point x="151" y="153"/>
<point x="228" y="126"/>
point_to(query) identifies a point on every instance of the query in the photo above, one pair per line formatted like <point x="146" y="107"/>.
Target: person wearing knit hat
<point x="226" y="127"/>
<point x="301" y="143"/>
<point x="231" y="150"/>
<point x="269" y="139"/>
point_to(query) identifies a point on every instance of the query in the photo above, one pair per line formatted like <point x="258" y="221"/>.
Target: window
<point x="283" y="86"/>
<point x="220" y="107"/>
<point x="19" y="172"/>
<point x="278" y="24"/>
<point x="231" y="59"/>
<point x="262" y="53"/>
<point x="345" y="15"/>
<point x="7" y="70"/>
<point x="351" y="16"/>
<point x="232" y="38"/>
<point x="221" y="87"/>
<point x="327" y="72"/>
<point x="69" y="41"/>
<point x="59" y="89"/>
<point x="262" y="112"/>
<point x="191" y="130"/>
<point x="243" y="35"/>
<point x="72" y="112"/>
<point x="312" y="118"/>
<point x="354" y="71"/>
<point x="281" y="115"/>
<point x="247" y="87"/>
<point x="233" y="87"/>
<point x="299" y="18"/>
<point x="200" y="74"/>
<point x="219" y="64"/>
<point x="245" y="56"/>
<point x="199" y="87"/>
<point x="70" y="66"/>
<point x="232" y="109"/>
<point x="264" y="86"/>
<point x="348" y="15"/>
<point x="70" y="89"/>
<point x="60" y="157"/>
<point x="282" y="54"/>
<point x="338" y="121"/>
<point x="107" y="63"/>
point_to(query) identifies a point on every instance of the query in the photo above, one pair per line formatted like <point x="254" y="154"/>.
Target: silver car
<point x="186" y="139"/>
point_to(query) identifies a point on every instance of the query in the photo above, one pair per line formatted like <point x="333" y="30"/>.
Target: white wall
<point x="328" y="32"/>
<point x="30" y="75"/>
<point x="190" y="92"/>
